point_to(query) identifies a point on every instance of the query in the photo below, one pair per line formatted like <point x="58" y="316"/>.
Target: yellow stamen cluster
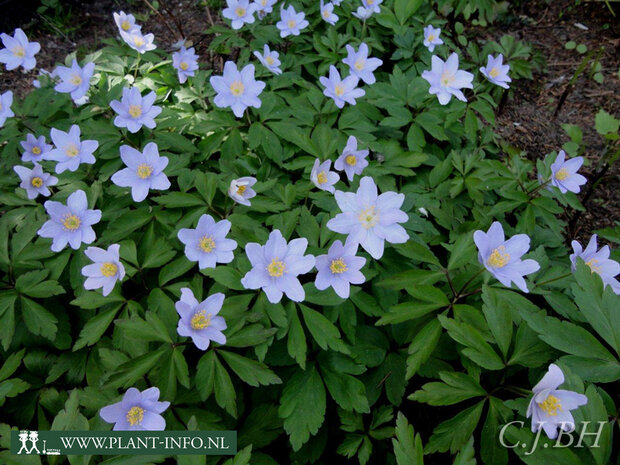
<point x="206" y="243"/>
<point x="35" y="150"/>
<point x="321" y="178"/>
<point x="76" y="80"/>
<point x="237" y="88"/>
<point x="241" y="190"/>
<point x="135" y="415"/>
<point x="36" y="181"/>
<point x="291" y="23"/>
<point x="19" y="51"/>
<point x="325" y="14"/>
<point x="351" y="160"/>
<point x="125" y="25"/>
<point x="183" y="65"/>
<point x="551" y="405"/>
<point x="447" y="78"/>
<point x="562" y="174"/>
<point x="269" y="60"/>
<point x="594" y="268"/>
<point x="144" y="170"/>
<point x="240" y="11"/>
<point x="359" y="65"/>
<point x="338" y="266"/>
<point x="338" y="90"/>
<point x="138" y="41"/>
<point x="499" y="258"/>
<point x="135" y="111"/>
<point x="369" y="218"/>
<point x="108" y="269"/>
<point x="431" y="37"/>
<point x="276" y="268"/>
<point x="201" y="320"/>
<point x="71" y="222"/>
<point x="71" y="150"/>
<point x="494" y="72"/>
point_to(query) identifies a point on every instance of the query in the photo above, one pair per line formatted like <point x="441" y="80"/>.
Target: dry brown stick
<point x="174" y="34"/>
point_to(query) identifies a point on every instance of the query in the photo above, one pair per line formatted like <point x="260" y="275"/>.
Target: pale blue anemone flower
<point x="327" y="13"/>
<point x="291" y="22"/>
<point x="126" y="22"/>
<point x="6" y="100"/>
<point x="138" y="411"/>
<point x="363" y="13"/>
<point x="598" y="261"/>
<point x="370" y="219"/>
<point x="322" y="177"/>
<point x="200" y="320"/>
<point x="185" y="61"/>
<point x="502" y="258"/>
<point x="35" y="181"/>
<point x="496" y="72"/>
<point x="564" y="174"/>
<point x="431" y="37"/>
<point x="135" y="111"/>
<point x="207" y="244"/>
<point x="446" y="79"/>
<point x="372" y="5"/>
<point x="550" y="407"/>
<point x="339" y="268"/>
<point x="352" y="161"/>
<point x="360" y="65"/>
<point x="69" y="151"/>
<point x="18" y="51"/>
<point x="237" y="89"/>
<point x="145" y="171"/>
<point x="70" y="224"/>
<point x="341" y="90"/>
<point x="269" y="59"/>
<point x="276" y="265"/>
<point x="141" y="43"/>
<point x="35" y="149"/>
<point x="239" y="12"/>
<point x="240" y="190"/>
<point x="74" y="80"/>
<point x="105" y="270"/>
<point x="262" y="7"/>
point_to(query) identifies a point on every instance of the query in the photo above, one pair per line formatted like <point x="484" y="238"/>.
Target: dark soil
<point x="527" y="120"/>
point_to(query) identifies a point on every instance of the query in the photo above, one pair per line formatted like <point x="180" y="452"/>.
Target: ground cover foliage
<point x="425" y="361"/>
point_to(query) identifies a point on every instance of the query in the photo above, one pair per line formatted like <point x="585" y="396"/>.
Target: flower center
<point x="36" y="181"/>
<point x="183" y="65"/>
<point x="237" y="88"/>
<point x="206" y="243"/>
<point x="138" y="41"/>
<point x="291" y="23"/>
<point x="594" y="268"/>
<point x="109" y="269"/>
<point x="269" y="60"/>
<point x="200" y="320"/>
<point x="135" y="415"/>
<point x="276" y="268"/>
<point x="562" y="174"/>
<point x="71" y="222"/>
<point x="431" y="37"/>
<point x="125" y="25"/>
<point x="76" y="80"/>
<point x="338" y="90"/>
<point x="144" y="170"/>
<point x="240" y="11"/>
<point x="263" y="2"/>
<point x="19" y="51"/>
<point x="447" y="78"/>
<point x="359" y="65"/>
<point x="551" y="405"/>
<point x="368" y="218"/>
<point x="351" y="160"/>
<point x="71" y="150"/>
<point x="36" y="150"/>
<point x="494" y="72"/>
<point x="135" y="111"/>
<point x="338" y="266"/>
<point x="241" y="190"/>
<point x="321" y="177"/>
<point x="370" y="2"/>
<point x="325" y="14"/>
<point x="499" y="258"/>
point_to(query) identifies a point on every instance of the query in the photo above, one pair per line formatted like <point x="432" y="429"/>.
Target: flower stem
<point x="552" y="280"/>
<point x="137" y="66"/>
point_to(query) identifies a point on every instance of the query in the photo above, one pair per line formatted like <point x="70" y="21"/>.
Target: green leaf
<point x="462" y="251"/>
<point x="456" y="387"/>
<point x="407" y="311"/>
<point x="128" y="373"/>
<point x="225" y="394"/>
<point x="137" y="328"/>
<point x="175" y="269"/>
<point x="95" y="327"/>
<point x="296" y="344"/>
<point x="302" y="406"/>
<point x="226" y="276"/>
<point x="39" y="321"/>
<point x="407" y="445"/>
<point x="250" y="371"/>
<point x="348" y="391"/>
<point x="11" y="364"/>
<point x="323" y="331"/>
<point x="405" y="8"/>
<point x="422" y="346"/>
<point x="205" y="374"/>
<point x="497" y="313"/>
<point x="452" y="435"/>
<point x="467" y="456"/>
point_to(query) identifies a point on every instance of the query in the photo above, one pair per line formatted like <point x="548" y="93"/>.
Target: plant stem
<point x="137" y="66"/>
<point x="552" y="280"/>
